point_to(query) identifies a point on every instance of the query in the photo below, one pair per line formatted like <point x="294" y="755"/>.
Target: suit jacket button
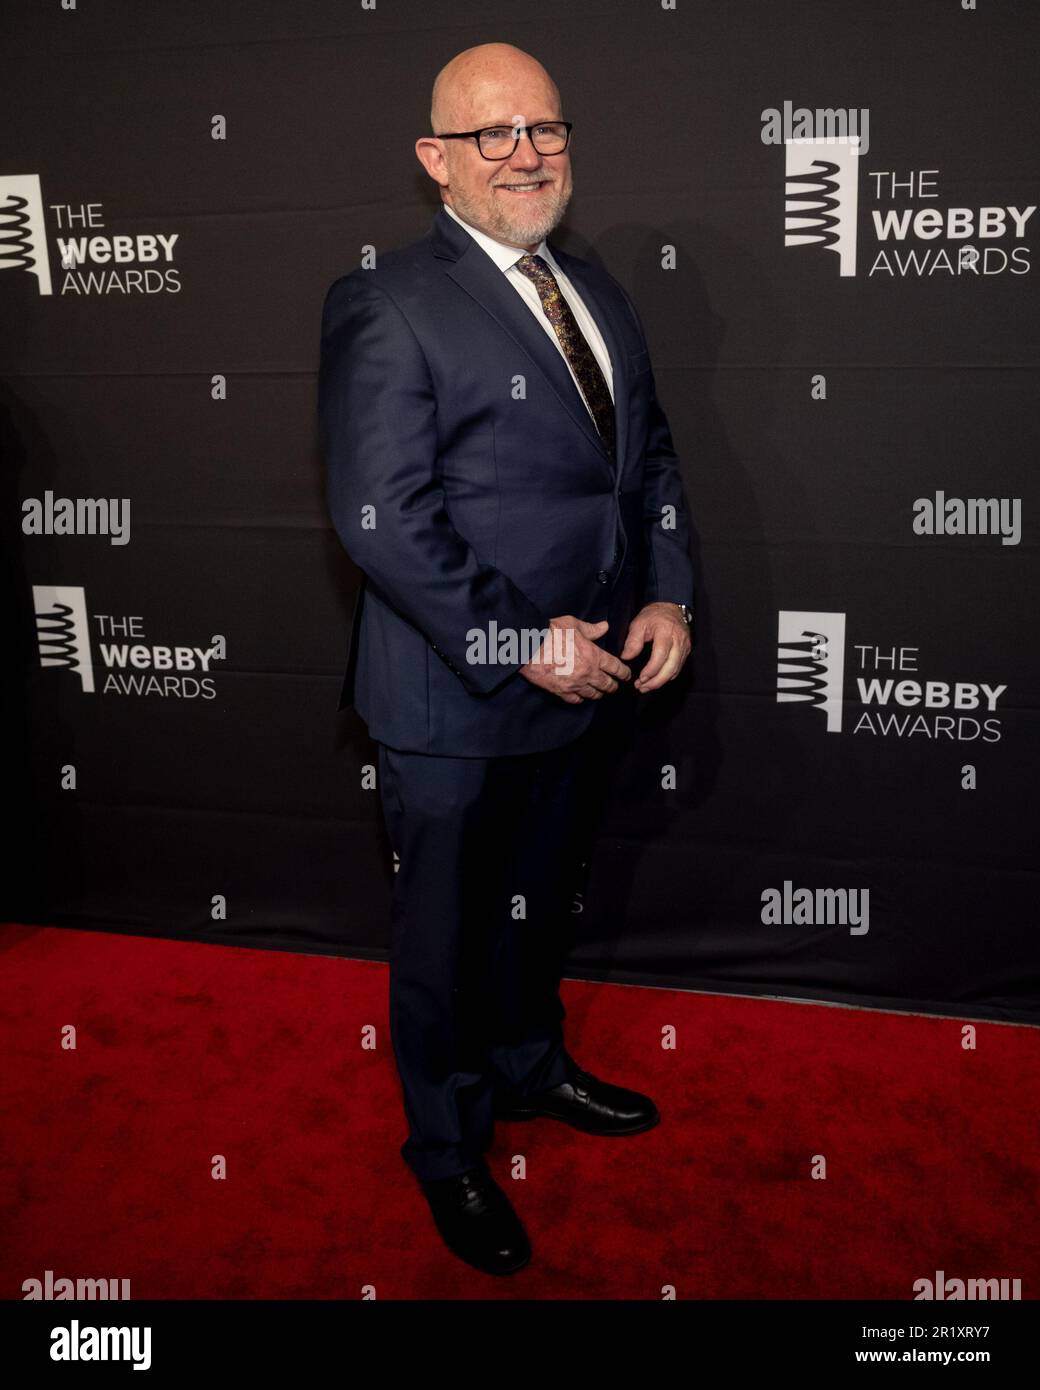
<point x="603" y="577"/>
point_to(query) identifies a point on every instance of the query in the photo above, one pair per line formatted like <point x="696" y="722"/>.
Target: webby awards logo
<point x="90" y="258"/>
<point x="897" y="696"/>
<point x="128" y="662"/>
<point x="917" y="226"/>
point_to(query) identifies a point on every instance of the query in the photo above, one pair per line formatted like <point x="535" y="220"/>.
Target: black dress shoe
<point x="586" y="1103"/>
<point x="477" y="1221"/>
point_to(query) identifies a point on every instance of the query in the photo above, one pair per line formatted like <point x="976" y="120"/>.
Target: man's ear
<point x="430" y="153"/>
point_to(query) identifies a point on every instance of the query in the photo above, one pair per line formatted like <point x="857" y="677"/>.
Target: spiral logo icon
<point x="810" y="663"/>
<point x="822" y="197"/>
<point x="23" y="241"/>
<point x="62" y="632"/>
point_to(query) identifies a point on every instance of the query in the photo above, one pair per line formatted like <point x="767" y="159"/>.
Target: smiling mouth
<point x="522" y="190"/>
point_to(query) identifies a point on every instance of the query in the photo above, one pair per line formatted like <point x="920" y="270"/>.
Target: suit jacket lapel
<point x="483" y="281"/>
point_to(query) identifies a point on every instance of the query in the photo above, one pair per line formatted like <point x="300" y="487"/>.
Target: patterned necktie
<point x="575" y="346"/>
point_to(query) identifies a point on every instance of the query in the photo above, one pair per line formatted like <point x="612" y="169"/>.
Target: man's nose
<point x="525" y="156"/>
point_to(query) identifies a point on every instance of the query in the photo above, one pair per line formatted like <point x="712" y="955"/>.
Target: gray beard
<point x="518" y="230"/>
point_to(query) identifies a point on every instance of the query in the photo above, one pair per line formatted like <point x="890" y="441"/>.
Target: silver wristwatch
<point x="687" y="614"/>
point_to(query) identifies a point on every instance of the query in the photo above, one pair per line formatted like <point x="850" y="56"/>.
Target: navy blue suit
<point x="485" y="507"/>
<point x="468" y="502"/>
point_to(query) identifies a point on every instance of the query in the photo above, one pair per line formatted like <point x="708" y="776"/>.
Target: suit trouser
<point x="490" y="851"/>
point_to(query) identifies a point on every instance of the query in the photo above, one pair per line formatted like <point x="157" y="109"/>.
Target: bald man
<point x="500" y="470"/>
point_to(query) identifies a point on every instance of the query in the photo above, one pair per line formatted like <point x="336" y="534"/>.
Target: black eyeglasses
<point x="500" y="141"/>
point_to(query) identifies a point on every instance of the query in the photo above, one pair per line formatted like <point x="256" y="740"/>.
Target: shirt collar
<point x="503" y="255"/>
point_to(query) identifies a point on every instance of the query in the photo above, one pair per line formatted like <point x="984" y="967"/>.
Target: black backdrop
<point x="810" y="408"/>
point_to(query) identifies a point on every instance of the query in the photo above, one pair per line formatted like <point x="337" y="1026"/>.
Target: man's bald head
<point x="518" y="199"/>
<point x="467" y="88"/>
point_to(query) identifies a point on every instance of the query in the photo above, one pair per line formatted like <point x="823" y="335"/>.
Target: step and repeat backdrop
<point x="826" y="213"/>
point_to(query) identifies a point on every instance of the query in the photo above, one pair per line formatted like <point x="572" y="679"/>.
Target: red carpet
<point x="186" y="1051"/>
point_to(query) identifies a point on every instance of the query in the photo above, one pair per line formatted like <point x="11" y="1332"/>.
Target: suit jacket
<point x="469" y="497"/>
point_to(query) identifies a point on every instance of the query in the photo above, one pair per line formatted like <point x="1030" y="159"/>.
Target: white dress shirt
<point x="506" y="257"/>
